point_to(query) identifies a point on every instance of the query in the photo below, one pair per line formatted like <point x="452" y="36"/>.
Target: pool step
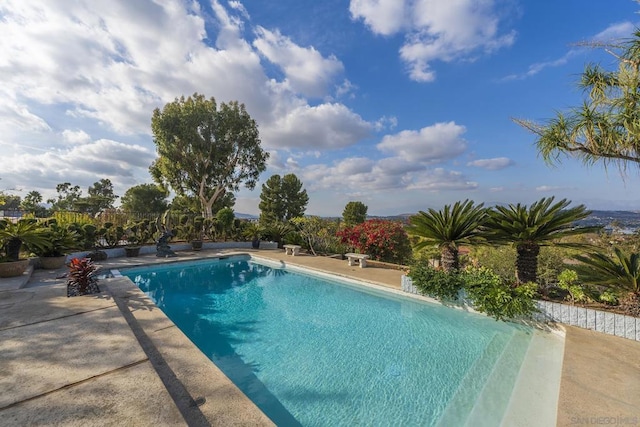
<point x="461" y="404"/>
<point x="494" y="398"/>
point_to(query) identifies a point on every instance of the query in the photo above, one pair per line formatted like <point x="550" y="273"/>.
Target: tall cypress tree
<point x="282" y="198"/>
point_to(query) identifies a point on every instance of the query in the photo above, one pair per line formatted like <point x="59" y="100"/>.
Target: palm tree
<point x="448" y="229"/>
<point x="542" y="224"/>
<point x="620" y="272"/>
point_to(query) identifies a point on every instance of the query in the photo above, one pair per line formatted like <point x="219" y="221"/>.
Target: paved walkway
<point x="115" y="359"/>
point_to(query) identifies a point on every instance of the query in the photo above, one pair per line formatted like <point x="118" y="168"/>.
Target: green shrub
<point x="501" y="260"/>
<point x="435" y="283"/>
<point x="491" y="294"/>
<point x="568" y="280"/>
<point x="609" y="297"/>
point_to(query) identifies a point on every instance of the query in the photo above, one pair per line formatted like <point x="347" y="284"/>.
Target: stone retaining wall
<point x="587" y="318"/>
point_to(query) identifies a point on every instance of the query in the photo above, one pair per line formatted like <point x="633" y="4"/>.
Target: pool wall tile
<point x="587" y="318"/>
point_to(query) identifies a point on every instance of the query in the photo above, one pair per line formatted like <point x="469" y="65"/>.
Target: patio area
<point x="115" y="359"/>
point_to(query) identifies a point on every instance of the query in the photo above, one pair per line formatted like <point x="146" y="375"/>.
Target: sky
<point x="403" y="105"/>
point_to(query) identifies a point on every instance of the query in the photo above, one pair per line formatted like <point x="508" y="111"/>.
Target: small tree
<point x="32" y="204"/>
<point x="528" y="228"/>
<point x="67" y="197"/>
<point x="282" y="199"/>
<point x="354" y="213"/>
<point x="224" y="220"/>
<point x="101" y="196"/>
<point x="145" y="198"/>
<point x="204" y="150"/>
<point x="449" y="228"/>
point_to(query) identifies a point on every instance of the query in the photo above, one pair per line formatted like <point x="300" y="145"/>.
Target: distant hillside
<point x="240" y="215"/>
<point x="627" y="221"/>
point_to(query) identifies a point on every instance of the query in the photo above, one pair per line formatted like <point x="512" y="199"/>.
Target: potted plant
<point x="12" y="237"/>
<point x="61" y="241"/>
<point x="196" y="233"/>
<point x="191" y="230"/>
<point x="137" y="234"/>
<point x="253" y="231"/>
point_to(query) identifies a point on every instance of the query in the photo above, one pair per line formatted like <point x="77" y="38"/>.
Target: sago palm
<point x="619" y="272"/>
<point x="14" y="234"/>
<point x="544" y="223"/>
<point x="448" y="229"/>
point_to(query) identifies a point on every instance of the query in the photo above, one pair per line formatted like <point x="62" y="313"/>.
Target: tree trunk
<point x="527" y="263"/>
<point x="207" y="204"/>
<point x="449" y="258"/>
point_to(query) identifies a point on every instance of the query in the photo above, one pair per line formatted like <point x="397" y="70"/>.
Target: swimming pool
<point x="314" y="352"/>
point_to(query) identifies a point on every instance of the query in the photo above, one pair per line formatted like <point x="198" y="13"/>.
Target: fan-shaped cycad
<point x="619" y="272"/>
<point x="544" y="223"/>
<point x="14" y="234"/>
<point x="448" y="229"/>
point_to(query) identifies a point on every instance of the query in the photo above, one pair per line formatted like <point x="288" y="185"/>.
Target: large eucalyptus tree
<point x="204" y="150"/>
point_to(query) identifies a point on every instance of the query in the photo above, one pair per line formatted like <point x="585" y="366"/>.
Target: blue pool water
<point x="314" y="352"/>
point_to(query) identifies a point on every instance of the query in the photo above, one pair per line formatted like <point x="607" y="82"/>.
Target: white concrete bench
<point x="292" y="249"/>
<point x="362" y="259"/>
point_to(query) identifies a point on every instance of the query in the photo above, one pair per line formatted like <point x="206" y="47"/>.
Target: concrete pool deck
<point x="115" y="359"/>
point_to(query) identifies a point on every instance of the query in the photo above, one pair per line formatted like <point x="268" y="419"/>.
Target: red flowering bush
<point x="382" y="239"/>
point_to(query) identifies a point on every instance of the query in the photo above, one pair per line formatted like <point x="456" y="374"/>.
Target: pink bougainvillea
<point x="383" y="240"/>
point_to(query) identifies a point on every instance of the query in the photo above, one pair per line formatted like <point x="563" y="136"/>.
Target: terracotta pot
<point x="52" y="262"/>
<point x="13" y="268"/>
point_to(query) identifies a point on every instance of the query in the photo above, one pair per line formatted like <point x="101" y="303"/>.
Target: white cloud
<point x="385" y="122"/>
<point x="98" y="70"/>
<point x="384" y="17"/>
<point x="75" y="137"/>
<point x="435" y="30"/>
<point x="493" y="164"/>
<point x="306" y="70"/>
<point x="615" y="32"/>
<point x="240" y="8"/>
<point x="80" y="164"/>
<point x="440" y="179"/>
<point x="16" y="115"/>
<point x="321" y="127"/>
<point x="346" y="88"/>
<point x="430" y="144"/>
<point x="359" y="174"/>
<point x="549" y="188"/>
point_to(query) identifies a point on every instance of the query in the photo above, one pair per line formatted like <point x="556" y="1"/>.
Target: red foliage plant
<point x="81" y="279"/>
<point x="383" y="240"/>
